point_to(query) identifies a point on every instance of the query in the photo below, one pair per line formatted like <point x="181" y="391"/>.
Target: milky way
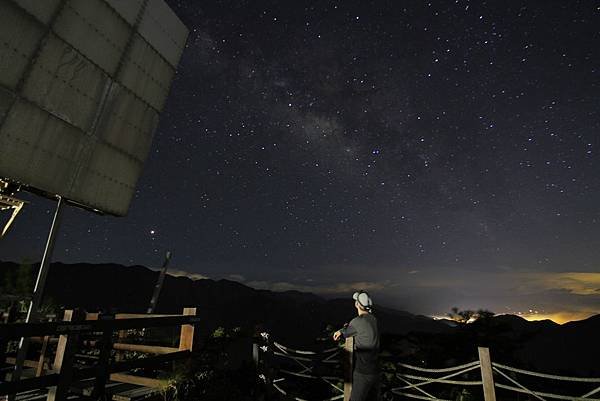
<point x="438" y="153"/>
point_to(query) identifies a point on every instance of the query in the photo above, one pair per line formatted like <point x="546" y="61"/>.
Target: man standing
<point x="365" y="376"/>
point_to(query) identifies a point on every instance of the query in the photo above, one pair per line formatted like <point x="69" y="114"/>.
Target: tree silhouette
<point x="468" y="316"/>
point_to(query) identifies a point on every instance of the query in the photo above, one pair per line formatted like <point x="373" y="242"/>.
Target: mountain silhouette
<point x="298" y="318"/>
<point x="291" y="316"/>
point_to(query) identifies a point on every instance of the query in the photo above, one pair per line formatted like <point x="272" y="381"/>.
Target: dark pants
<point x="364" y="387"/>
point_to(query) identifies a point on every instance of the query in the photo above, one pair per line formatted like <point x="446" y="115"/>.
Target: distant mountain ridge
<point x="291" y="315"/>
<point x="298" y="318"/>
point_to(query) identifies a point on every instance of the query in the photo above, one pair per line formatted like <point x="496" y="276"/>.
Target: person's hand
<point x="337" y="335"/>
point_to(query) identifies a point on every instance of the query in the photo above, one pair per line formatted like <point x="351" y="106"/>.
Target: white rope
<point x="285" y="352"/>
<point x="591" y="393"/>
<point x="443" y="370"/>
<point x="328" y="350"/>
<point x="302" y="352"/>
<point x="329" y="360"/>
<point x="289" y="372"/>
<point x="517" y="383"/>
<point x="335" y="397"/>
<point x="295" y="351"/>
<point x="465" y="383"/>
<point x="296" y="358"/>
<point x="307" y="376"/>
<point x="301" y="358"/>
<point x="282" y="391"/>
<point x="548" y="376"/>
<point x="429" y="380"/>
<point x="548" y="395"/>
<point x="327" y="380"/>
<point x="416" y="388"/>
<point x="417" y="396"/>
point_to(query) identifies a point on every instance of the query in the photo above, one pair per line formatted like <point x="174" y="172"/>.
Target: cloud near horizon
<point x="560" y="296"/>
<point x="183" y="273"/>
<point x="336" y="289"/>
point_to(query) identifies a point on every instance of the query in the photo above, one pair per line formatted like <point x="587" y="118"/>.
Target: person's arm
<point x="347" y="331"/>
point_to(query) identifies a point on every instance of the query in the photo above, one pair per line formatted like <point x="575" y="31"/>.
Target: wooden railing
<point x="62" y="373"/>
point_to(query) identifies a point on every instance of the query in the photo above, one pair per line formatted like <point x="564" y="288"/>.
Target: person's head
<point x="362" y="302"/>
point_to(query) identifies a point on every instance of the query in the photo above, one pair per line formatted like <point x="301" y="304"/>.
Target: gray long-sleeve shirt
<point x="366" y="342"/>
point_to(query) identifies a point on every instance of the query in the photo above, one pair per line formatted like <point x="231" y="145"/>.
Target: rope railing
<point x="420" y="381"/>
<point x="306" y="362"/>
<point x="414" y="378"/>
<point x="540" y="395"/>
<point x="304" y="352"/>
<point x="548" y="376"/>
<point x="443" y="379"/>
<point x="427" y="396"/>
<point x="442" y="370"/>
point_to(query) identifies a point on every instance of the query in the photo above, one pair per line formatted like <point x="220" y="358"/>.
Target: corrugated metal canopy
<point x="82" y="83"/>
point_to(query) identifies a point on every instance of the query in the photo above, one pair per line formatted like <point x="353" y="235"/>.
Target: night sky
<point x="437" y="154"/>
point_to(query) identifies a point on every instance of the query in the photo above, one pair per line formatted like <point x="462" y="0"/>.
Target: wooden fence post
<point x="39" y="370"/>
<point x="186" y="338"/>
<point x="255" y="354"/>
<point x="102" y="373"/>
<point x="63" y="360"/>
<point x="487" y="376"/>
<point x="347" y="367"/>
<point x="10" y="317"/>
<point x="121" y="338"/>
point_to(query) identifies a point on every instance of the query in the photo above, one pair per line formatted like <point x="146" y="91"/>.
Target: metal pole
<point x="159" y="283"/>
<point x="38" y="292"/>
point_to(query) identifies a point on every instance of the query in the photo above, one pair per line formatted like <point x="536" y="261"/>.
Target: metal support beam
<point x="6" y="203"/>
<point x="38" y="292"/>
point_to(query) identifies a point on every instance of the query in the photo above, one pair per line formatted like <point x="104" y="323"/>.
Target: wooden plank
<point x="487" y="376"/>
<point x="86" y="373"/>
<point x="102" y="373"/>
<point x="145" y="349"/>
<point x="40" y="340"/>
<point x="32" y="383"/>
<point x="86" y="387"/>
<point x="140" y="393"/>
<point x="64" y="358"/>
<point x="62" y="343"/>
<point x="17" y="330"/>
<point x="42" y="360"/>
<point x="139" y="380"/>
<point x="27" y="363"/>
<point x="32" y="395"/>
<point x="151" y="361"/>
<point x="122" y="335"/>
<point x="186" y="338"/>
<point x="9" y="318"/>
<point x="140" y="315"/>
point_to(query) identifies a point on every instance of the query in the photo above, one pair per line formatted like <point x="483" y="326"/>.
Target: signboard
<point x="82" y="83"/>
